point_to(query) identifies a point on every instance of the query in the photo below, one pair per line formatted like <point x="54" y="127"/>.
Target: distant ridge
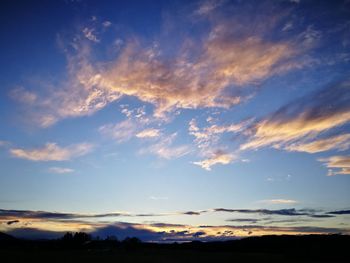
<point x="4" y="236"/>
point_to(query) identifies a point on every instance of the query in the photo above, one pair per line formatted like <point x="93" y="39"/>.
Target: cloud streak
<point x="303" y="120"/>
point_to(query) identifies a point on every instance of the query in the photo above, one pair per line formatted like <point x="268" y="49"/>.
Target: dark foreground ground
<point x="332" y="248"/>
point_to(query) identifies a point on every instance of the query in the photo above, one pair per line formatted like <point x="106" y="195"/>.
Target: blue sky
<point x="160" y="118"/>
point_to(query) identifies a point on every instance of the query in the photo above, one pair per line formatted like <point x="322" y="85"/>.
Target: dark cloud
<point x="12" y="222"/>
<point x="191" y="213"/>
<point x="340" y="212"/>
<point x="285" y="212"/>
<point x="28" y="214"/>
<point x="321" y="216"/>
<point x="64" y="216"/>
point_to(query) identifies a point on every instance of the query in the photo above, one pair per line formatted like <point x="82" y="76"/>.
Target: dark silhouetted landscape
<point x="81" y="247"/>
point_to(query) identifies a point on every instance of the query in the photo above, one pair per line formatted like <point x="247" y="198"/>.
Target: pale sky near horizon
<point x="175" y="119"/>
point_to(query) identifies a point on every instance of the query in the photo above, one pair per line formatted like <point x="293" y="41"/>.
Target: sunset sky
<point x="174" y="120"/>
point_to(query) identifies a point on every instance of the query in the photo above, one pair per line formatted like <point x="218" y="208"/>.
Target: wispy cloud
<point x="60" y="170"/>
<point x="132" y="126"/>
<point x="156" y="198"/>
<point x="53" y="152"/>
<point x="337" y="164"/>
<point x="121" y="132"/>
<point x="279" y="201"/>
<point x="148" y="133"/>
<point x="165" y="149"/>
<point x="4" y="143"/>
<point x="208" y="6"/>
<point x="90" y="34"/>
<point x="205" y="136"/>
<point x="23" y="95"/>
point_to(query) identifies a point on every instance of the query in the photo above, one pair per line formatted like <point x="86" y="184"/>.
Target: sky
<point x="174" y="120"/>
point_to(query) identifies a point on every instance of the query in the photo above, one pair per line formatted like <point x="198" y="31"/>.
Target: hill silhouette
<point x="6" y="237"/>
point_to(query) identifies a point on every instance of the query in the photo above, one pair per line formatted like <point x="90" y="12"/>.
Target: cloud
<point x="339" y="142"/>
<point x="159" y="232"/>
<point x="224" y="65"/>
<point x="23" y="95"/>
<point x="90" y="34"/>
<point x="60" y="170"/>
<point x="303" y="119"/>
<point x="208" y="6"/>
<point x="190" y="83"/>
<point x="29" y="214"/>
<point x="4" y="143"/>
<point x="243" y="220"/>
<point x="11" y="222"/>
<point x="156" y="198"/>
<point x="219" y="157"/>
<point x="340" y="212"/>
<point x="279" y="201"/>
<point x="283" y="212"/>
<point x="205" y="136"/>
<point x="341" y="163"/>
<point x="131" y="127"/>
<point x="148" y="133"/>
<point x="121" y="132"/>
<point x="53" y="152"/>
<point x="164" y="148"/>
<point x="107" y="23"/>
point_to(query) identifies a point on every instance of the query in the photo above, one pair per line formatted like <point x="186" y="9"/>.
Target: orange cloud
<point x="340" y="142"/>
<point x="341" y="163"/>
